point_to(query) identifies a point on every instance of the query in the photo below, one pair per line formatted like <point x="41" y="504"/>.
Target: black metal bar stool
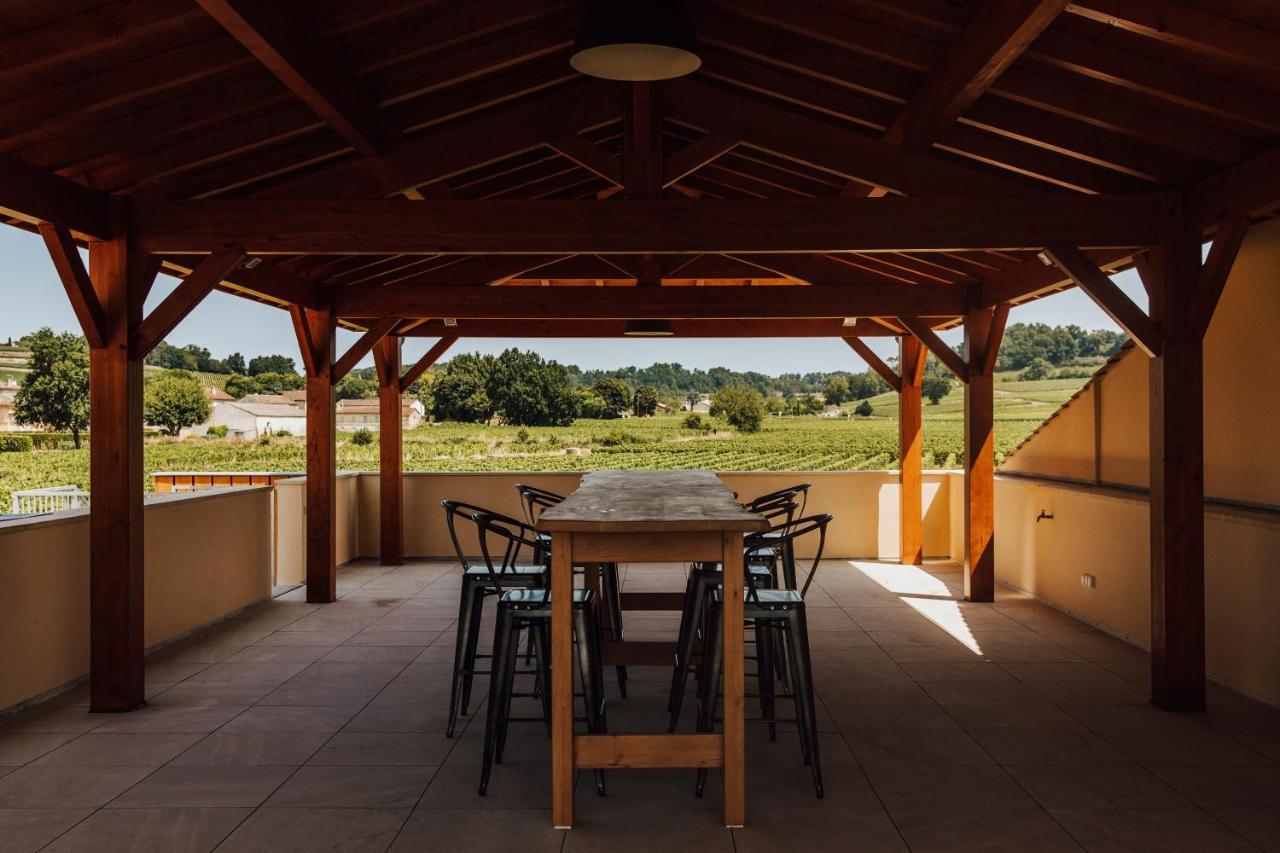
<point x="535" y="501"/>
<point x="477" y="585"/>
<point x="530" y="609"/>
<point x="770" y="610"/>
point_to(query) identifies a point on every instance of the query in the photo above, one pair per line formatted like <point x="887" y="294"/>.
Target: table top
<point x="650" y="501"/>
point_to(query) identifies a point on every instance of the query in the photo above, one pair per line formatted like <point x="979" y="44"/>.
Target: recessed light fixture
<point x="251" y="263"/>
<point x="648" y="329"/>
<point x="1045" y="259"/>
<point x="451" y="321"/>
<point x="636" y="40"/>
<point x="850" y="321"/>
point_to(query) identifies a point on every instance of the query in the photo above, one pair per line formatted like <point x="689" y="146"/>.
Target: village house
<point x="364" y="414"/>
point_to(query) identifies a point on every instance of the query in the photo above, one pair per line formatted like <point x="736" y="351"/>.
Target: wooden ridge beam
<point x="937" y="346"/>
<point x="1110" y="298"/>
<point x="75" y="280"/>
<point x="679" y="226"/>
<point x="278" y="37"/>
<point x="363" y="345"/>
<point x="716" y="329"/>
<point x="667" y="303"/>
<point x="875" y="362"/>
<point x="36" y="196"/>
<point x="178" y="304"/>
<point x="430" y="357"/>
<point x="999" y="34"/>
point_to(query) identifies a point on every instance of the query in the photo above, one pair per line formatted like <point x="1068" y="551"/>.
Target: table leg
<point x="562" y="681"/>
<point x="734" y="665"/>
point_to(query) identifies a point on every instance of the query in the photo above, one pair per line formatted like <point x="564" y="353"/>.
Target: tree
<point x="934" y="387"/>
<point x="173" y="400"/>
<point x="528" y="391"/>
<point x="1037" y="368"/>
<point x="592" y="405"/>
<point x="55" y="391"/>
<point x="866" y="384"/>
<point x="239" y="385"/>
<point x="235" y="363"/>
<point x="268" y="383"/>
<point x="837" y="390"/>
<point x="353" y="387"/>
<point x="616" y="393"/>
<point x="462" y="391"/>
<point x="742" y="407"/>
<point x="645" y="401"/>
<point x="863" y="410"/>
<point x="271" y="364"/>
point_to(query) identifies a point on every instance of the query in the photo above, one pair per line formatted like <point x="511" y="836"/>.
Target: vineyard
<point x="794" y="444"/>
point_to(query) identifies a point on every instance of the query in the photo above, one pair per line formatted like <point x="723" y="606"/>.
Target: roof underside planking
<point x="405" y="156"/>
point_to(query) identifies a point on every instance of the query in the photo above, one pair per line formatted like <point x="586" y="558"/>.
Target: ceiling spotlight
<point x="1045" y="259"/>
<point x="636" y="40"/>
<point x="251" y="263"/>
<point x="450" y="322"/>
<point x="850" y="321"/>
<point x="648" y="329"/>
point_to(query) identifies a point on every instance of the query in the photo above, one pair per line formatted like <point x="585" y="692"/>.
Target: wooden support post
<point x="1177" y="470"/>
<point x="316" y="333"/>
<point x="116" y="620"/>
<point x="911" y="360"/>
<point x="386" y="359"/>
<point x="979" y="461"/>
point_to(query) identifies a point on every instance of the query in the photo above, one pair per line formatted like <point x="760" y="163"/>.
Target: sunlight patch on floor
<point x="924" y="593"/>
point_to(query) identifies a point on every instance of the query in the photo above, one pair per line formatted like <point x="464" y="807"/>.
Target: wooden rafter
<point x="991" y="351"/>
<point x="694" y="156"/>
<point x="280" y="40"/>
<point x="178" y="304"/>
<point x="75" y="279"/>
<point x="936" y="345"/>
<point x="804" y="327"/>
<point x="1109" y="297"/>
<point x="430" y="357"/>
<point x="589" y="156"/>
<point x="875" y="363"/>
<point x="32" y="195"/>
<point x="1248" y="188"/>
<point x="663" y="226"/>
<point x="1034" y="277"/>
<point x="363" y="345"/>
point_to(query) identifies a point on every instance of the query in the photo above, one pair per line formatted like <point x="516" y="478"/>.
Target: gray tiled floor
<point x="945" y="726"/>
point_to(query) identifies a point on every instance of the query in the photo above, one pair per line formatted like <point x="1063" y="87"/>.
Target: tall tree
<point x="174" y="400"/>
<point x="646" y="401"/>
<point x="616" y="394"/>
<point x="55" y="391"/>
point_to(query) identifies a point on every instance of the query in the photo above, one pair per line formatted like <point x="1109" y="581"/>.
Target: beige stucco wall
<point x="291" y="525"/>
<point x="206" y="554"/>
<point x="1104" y="531"/>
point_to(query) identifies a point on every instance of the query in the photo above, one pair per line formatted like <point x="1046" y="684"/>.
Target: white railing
<point x="52" y="499"/>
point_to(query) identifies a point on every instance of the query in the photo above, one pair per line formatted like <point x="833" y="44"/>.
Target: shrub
<point x="362" y="437"/>
<point x="617" y="438"/>
<point x="694" y="421"/>
<point x="218" y="431"/>
<point x="742" y="407"/>
<point x="863" y="410"/>
<point x="1039" y="368"/>
<point x="12" y="443"/>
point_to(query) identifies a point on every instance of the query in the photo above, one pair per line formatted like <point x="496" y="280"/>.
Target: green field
<point x="795" y="444"/>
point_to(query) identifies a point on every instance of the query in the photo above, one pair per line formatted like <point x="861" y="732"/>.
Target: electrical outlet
<point x="1088" y="581"/>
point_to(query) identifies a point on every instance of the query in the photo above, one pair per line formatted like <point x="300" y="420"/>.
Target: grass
<point x="800" y="444"/>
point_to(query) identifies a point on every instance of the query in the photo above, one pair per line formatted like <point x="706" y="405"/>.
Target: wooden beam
<point x="572" y="302"/>
<point x="116" y="536"/>
<point x="366" y="342"/>
<point x="589" y="156"/>
<point x="316" y="333"/>
<point x="75" y="280"/>
<point x="991" y="350"/>
<point x="1217" y="268"/>
<point x="936" y="345"/>
<point x="911" y="358"/>
<point x="569" y="328"/>
<point x="178" y="304"/>
<point x="874" y="361"/>
<point x="1177" y="471"/>
<point x="642" y="141"/>
<point x="36" y="196"/>
<point x="1247" y="189"/>
<point x="280" y="39"/>
<point x="386" y="360"/>
<point x="1033" y="277"/>
<point x="998" y="35"/>
<point x="694" y="156"/>
<point x="979" y="462"/>
<point x="662" y="226"/>
<point x="430" y="357"/>
<point x="1108" y="296"/>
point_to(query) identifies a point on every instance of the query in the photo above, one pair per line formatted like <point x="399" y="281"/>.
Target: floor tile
<point x="111" y="749"/>
<point x="473" y="831"/>
<point x="292" y="718"/>
<point x="1168" y="830"/>
<point x="21" y="748"/>
<point x="1219" y="787"/>
<point x="384" y="749"/>
<point x="993" y="828"/>
<point x="1259" y="826"/>
<point x="946" y="787"/>
<point x="1097" y="787"/>
<point x="270" y="830"/>
<point x="172" y="719"/>
<point x="843" y="830"/>
<point x="922" y="749"/>
<point x="25" y="830"/>
<point x="253" y="747"/>
<point x="374" y="786"/>
<point x="1194" y="748"/>
<point x="1013" y="748"/>
<point x="150" y="831"/>
<point x="624" y="830"/>
<point x="65" y="787"/>
<point x="228" y="786"/>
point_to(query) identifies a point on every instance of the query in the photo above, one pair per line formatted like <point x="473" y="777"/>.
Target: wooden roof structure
<point x="835" y="168"/>
<point x="302" y="129"/>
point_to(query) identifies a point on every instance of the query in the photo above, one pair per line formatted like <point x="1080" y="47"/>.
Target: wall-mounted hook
<point x="1042" y="516"/>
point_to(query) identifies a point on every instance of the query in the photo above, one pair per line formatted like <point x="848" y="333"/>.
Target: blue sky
<point x="31" y="297"/>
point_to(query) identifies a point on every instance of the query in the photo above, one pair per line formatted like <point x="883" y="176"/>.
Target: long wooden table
<point x="646" y="516"/>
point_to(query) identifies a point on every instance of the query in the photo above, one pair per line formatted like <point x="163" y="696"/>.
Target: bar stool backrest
<point x="536" y="500"/>
<point x="502" y="539"/>
<point x="458" y="510"/>
<point x="788" y="534"/>
<point x="763" y="501"/>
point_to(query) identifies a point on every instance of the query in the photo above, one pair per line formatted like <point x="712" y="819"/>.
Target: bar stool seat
<point x="538" y="571"/>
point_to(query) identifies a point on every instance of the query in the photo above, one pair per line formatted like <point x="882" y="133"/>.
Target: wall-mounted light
<point x="636" y="40"/>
